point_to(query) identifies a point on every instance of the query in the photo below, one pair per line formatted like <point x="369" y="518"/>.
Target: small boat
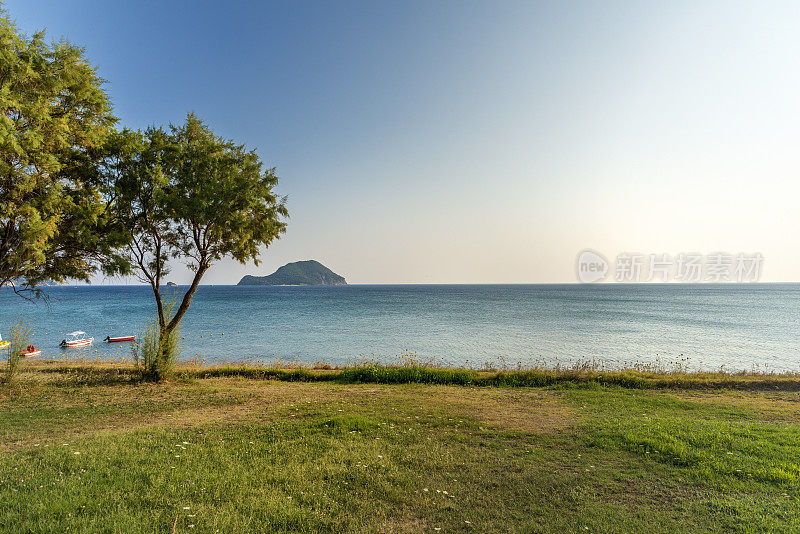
<point x="4" y="344"/>
<point x="30" y="352"/>
<point x="77" y="339"/>
<point x="110" y="339"/>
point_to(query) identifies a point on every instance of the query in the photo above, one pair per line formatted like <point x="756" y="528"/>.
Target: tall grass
<point x="20" y="337"/>
<point x="542" y="377"/>
<point x="156" y="351"/>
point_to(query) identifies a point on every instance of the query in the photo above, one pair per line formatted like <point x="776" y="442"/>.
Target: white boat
<point x="4" y="344"/>
<point x="77" y="339"/>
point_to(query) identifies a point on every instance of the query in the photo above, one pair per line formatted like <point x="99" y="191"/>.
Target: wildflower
<point x="185" y="507"/>
<point x="76" y="452"/>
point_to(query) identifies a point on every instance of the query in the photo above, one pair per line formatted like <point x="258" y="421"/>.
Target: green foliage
<point x="188" y="195"/>
<point x="421" y="374"/>
<point x="20" y="336"/>
<point x="156" y="350"/>
<point x="408" y="375"/>
<point x="53" y="222"/>
<point x="222" y="201"/>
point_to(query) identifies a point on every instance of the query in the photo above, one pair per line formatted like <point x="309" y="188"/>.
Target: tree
<point x="187" y="194"/>
<point x="53" y="224"/>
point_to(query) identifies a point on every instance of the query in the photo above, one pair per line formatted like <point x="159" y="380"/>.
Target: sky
<point x="477" y="142"/>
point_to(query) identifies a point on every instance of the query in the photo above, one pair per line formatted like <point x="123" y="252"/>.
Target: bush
<point x="20" y="337"/>
<point x="156" y="351"/>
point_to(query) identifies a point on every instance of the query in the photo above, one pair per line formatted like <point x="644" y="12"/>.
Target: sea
<point x="667" y="326"/>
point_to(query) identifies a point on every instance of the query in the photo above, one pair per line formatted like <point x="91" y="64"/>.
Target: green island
<point x="298" y="273"/>
<point x="93" y="447"/>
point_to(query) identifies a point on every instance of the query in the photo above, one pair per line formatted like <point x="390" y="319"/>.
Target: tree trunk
<point x="159" y="306"/>
<point x="187" y="297"/>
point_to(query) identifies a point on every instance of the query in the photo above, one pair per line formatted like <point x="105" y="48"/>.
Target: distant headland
<point x="299" y="273"/>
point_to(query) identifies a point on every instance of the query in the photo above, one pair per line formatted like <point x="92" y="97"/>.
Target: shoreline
<point x="91" y="371"/>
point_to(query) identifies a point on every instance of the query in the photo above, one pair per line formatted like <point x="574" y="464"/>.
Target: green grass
<point x="413" y="373"/>
<point x="269" y="455"/>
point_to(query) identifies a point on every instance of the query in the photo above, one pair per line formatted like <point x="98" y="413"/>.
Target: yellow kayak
<point x="4" y="344"/>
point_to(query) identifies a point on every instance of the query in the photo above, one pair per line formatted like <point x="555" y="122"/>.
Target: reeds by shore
<point x="582" y="374"/>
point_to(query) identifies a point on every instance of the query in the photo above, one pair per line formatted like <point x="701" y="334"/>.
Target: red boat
<point x="118" y="339"/>
<point x="31" y="351"/>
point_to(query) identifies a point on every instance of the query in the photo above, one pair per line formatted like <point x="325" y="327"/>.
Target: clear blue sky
<point x="478" y="141"/>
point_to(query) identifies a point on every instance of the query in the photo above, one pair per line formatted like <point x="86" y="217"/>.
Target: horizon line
<point x="728" y="283"/>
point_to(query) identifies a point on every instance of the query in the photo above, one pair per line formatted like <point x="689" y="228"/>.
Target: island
<point x="172" y="284"/>
<point x="298" y="273"/>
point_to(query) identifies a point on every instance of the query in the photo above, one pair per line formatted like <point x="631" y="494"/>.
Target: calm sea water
<point x="738" y="326"/>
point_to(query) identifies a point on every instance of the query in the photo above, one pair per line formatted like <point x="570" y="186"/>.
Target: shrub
<point x="20" y="337"/>
<point x="156" y="351"/>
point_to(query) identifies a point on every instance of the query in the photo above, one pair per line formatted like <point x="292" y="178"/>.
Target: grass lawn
<point x="91" y="452"/>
